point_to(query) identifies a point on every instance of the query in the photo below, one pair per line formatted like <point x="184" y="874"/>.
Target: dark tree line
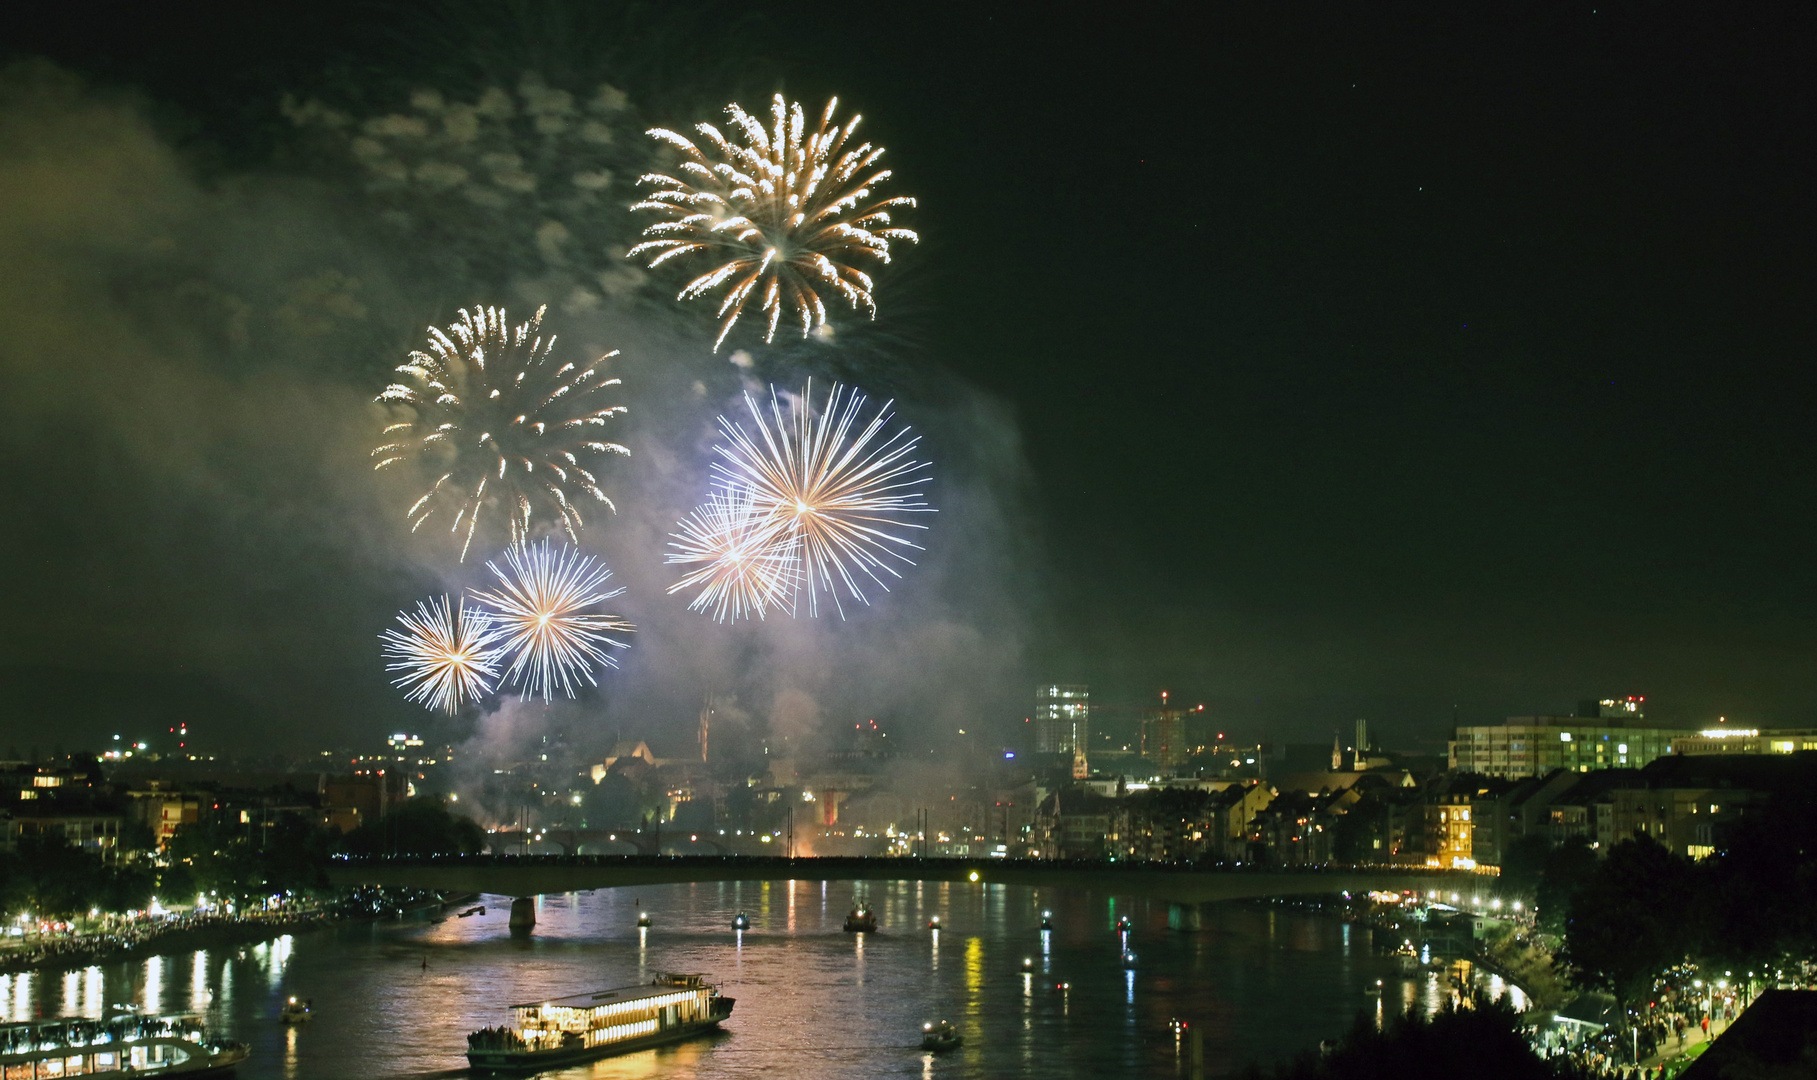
<point x="1482" y="1040"/>
<point x="1749" y="907"/>
<point x="47" y="877"/>
<point x="229" y="860"/>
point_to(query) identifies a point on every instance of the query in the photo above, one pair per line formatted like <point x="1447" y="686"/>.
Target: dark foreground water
<point x="813" y="1002"/>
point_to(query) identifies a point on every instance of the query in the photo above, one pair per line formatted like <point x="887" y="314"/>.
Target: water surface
<point x="813" y="1002"/>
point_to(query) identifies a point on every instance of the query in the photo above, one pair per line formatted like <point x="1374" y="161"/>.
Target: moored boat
<point x="570" y="1030"/>
<point x="115" y="1048"/>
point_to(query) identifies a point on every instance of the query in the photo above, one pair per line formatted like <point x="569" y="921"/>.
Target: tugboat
<point x="861" y="920"/>
<point x="571" y="1030"/>
<point x="129" y="1045"/>
<point x="296" y="1012"/>
<point x="940" y="1036"/>
<point x="741" y="922"/>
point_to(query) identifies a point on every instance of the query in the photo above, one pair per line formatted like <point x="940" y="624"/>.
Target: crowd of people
<point x="47" y="1035"/>
<point x="119" y="936"/>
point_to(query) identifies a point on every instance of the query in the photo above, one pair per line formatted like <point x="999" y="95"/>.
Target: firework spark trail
<point x="543" y="613"/>
<point x="445" y="653"/>
<point x="838" y="488"/>
<point x="782" y="211"/>
<point x="505" y="425"/>
<point x="746" y="561"/>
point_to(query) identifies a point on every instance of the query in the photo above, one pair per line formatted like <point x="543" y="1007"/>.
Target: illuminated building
<point x="1740" y="740"/>
<point x="1062" y="718"/>
<point x="1615" y="738"/>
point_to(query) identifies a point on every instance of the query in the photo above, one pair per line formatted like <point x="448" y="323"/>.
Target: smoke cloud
<point x="186" y="375"/>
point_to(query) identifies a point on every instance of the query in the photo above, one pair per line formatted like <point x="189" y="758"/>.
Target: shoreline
<point x="215" y="935"/>
<point x="179" y="940"/>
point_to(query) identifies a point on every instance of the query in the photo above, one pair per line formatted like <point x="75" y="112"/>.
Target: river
<point x="1260" y="982"/>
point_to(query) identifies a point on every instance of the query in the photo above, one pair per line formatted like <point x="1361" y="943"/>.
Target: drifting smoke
<point x="185" y="391"/>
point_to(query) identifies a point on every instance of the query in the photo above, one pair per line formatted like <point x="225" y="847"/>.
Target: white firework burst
<point x="835" y="485"/>
<point x="445" y="654"/>
<point x="545" y="611"/>
<point x="782" y="212"/>
<point x="745" y="560"/>
<point x="510" y="430"/>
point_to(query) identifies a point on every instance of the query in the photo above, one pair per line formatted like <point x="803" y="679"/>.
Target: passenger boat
<point x="861" y="920"/>
<point x="131" y="1045"/>
<point x="570" y="1030"/>
<point x="940" y="1035"/>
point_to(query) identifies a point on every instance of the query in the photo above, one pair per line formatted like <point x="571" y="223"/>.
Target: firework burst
<point x="745" y="561"/>
<point x="782" y="211"/>
<point x="544" y="611"/>
<point x="510" y="431"/>
<point x="832" y="484"/>
<point x="444" y="652"/>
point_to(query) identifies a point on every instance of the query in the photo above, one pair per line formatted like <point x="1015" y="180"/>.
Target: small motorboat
<point x="1047" y="920"/>
<point x="1124" y="925"/>
<point x="741" y="922"/>
<point x="472" y="911"/>
<point x="295" y="1011"/>
<point x="861" y="920"/>
<point x="940" y="1036"/>
<point x="643" y="919"/>
<point x="934" y="923"/>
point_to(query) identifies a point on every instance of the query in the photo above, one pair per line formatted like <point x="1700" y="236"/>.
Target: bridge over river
<point x="1183" y="888"/>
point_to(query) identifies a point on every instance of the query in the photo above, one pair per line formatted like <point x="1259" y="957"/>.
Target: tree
<point x="421" y="826"/>
<point x="1753" y="898"/>
<point x="1524" y="865"/>
<point x="1565" y="870"/>
<point x="52" y="877"/>
<point x="1482" y="1040"/>
<point x="1629" y="921"/>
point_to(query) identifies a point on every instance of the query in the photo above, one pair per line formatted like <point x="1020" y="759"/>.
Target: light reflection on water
<point x="812" y="1001"/>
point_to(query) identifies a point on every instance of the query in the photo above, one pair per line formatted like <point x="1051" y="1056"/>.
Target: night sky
<point x="1401" y="362"/>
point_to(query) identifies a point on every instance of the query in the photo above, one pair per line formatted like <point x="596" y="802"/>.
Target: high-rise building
<point x="1164" y="735"/>
<point x="1062" y="719"/>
